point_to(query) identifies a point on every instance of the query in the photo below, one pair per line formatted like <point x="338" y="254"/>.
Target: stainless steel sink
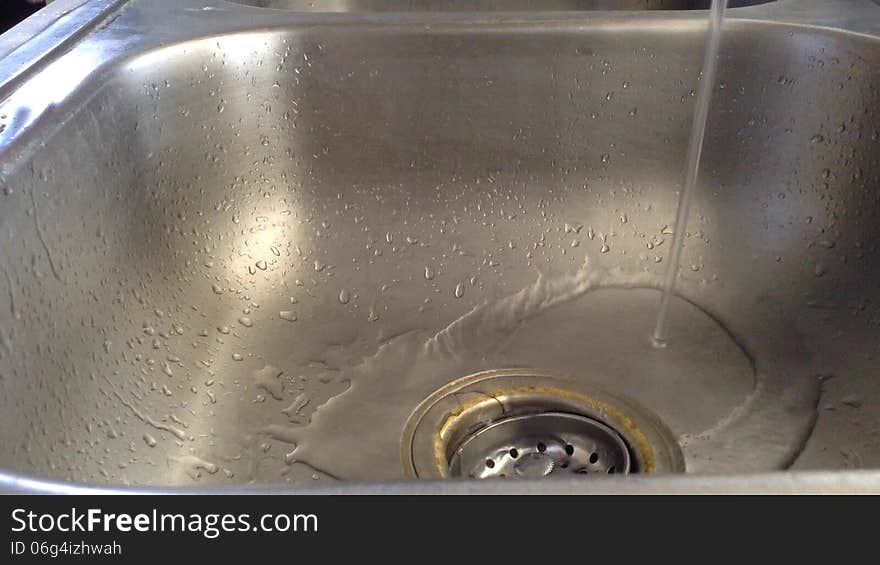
<point x="262" y="249"/>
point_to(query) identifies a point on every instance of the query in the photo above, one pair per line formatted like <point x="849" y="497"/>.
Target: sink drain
<point x="537" y="445"/>
<point x="528" y="424"/>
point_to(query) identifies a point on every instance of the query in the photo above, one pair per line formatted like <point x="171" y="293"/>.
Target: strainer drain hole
<point x="514" y="453"/>
<point x="594" y="457"/>
<point x="569" y="449"/>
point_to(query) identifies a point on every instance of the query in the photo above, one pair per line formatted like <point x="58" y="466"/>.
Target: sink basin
<point x="246" y="247"/>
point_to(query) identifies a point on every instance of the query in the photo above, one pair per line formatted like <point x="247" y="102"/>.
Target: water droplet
<point x="319" y="266"/>
<point x="261" y="265"/>
<point x="300" y="402"/>
<point x="287" y="315"/>
<point x="851" y="400"/>
<point x="344" y="296"/>
<point x="429" y="273"/>
<point x="216" y="289"/>
<point x="237" y="357"/>
<point x="245" y="321"/>
<point x="658" y="342"/>
<point x="223" y="329"/>
<point x="150" y="440"/>
<point x="459" y="290"/>
<point x="606" y="157"/>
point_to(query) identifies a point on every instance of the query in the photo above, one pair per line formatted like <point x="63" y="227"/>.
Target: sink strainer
<point x="537" y="445"/>
<point x="517" y="423"/>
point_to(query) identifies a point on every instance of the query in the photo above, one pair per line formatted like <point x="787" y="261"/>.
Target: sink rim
<point x="783" y="482"/>
<point x="58" y="28"/>
<point x="256" y="4"/>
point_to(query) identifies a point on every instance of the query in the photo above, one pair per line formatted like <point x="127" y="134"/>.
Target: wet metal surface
<point x="242" y="247"/>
